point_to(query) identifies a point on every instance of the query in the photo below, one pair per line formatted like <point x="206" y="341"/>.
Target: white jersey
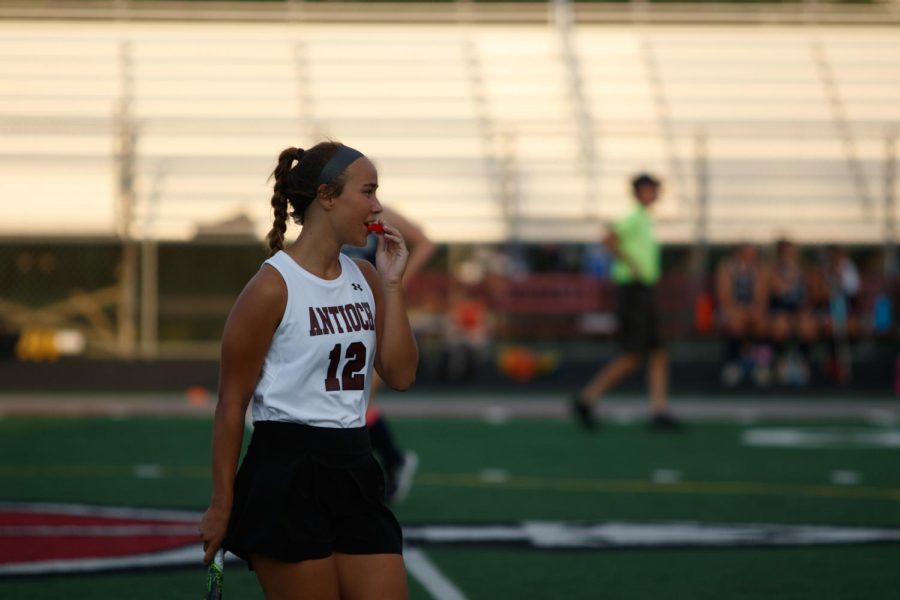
<point x="319" y="366"/>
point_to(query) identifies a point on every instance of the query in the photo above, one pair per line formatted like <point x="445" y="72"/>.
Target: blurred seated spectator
<point x="741" y="294"/>
<point x="469" y="323"/>
<point x="791" y="317"/>
<point x="835" y="296"/>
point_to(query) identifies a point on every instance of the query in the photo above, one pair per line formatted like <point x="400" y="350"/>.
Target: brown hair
<point x="297" y="183"/>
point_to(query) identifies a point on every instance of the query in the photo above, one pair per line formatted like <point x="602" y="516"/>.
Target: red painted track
<point x="35" y="536"/>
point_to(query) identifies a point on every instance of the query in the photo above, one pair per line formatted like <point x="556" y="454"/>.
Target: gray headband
<point x="336" y="165"/>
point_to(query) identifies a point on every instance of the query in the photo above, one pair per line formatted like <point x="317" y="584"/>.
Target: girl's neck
<point x="318" y="256"/>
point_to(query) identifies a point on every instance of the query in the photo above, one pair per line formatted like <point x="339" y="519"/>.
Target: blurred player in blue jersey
<point x="791" y="314"/>
<point x="836" y="289"/>
<point x="741" y="294"/>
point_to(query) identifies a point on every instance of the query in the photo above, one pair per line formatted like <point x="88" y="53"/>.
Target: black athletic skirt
<point x="306" y="492"/>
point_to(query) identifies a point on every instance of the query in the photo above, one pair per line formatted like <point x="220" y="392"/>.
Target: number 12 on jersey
<point x="351" y="376"/>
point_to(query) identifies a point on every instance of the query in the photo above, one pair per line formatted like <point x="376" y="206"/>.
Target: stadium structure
<point x="136" y="131"/>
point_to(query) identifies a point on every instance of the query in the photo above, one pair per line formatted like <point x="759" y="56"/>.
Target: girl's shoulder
<point x="266" y="287"/>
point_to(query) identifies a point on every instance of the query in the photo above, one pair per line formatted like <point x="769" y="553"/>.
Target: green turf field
<point x="477" y="473"/>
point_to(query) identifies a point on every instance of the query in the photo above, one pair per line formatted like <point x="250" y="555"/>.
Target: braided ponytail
<point x="296" y="187"/>
<point x="275" y="237"/>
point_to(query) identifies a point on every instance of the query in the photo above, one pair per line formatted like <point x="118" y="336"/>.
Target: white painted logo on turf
<point x="52" y="526"/>
<point x="611" y="535"/>
<point x="787" y="437"/>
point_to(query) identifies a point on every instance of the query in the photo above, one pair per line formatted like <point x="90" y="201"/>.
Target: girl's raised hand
<point x="391" y="256"/>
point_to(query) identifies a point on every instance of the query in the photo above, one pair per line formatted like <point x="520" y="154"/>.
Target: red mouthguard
<point x="376" y="227"/>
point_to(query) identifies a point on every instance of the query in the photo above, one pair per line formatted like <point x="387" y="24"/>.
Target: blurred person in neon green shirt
<point x="636" y="271"/>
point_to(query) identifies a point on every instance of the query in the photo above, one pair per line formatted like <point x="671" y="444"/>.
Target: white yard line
<point x="426" y="573"/>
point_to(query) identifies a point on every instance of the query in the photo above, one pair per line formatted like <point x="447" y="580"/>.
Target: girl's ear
<point x="327" y="204"/>
<point x="325" y="196"/>
<point x="324" y="191"/>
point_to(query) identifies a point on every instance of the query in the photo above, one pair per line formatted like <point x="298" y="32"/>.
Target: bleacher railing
<point x="461" y="11"/>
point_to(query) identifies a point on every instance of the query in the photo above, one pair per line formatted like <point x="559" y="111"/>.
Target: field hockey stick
<point x="215" y="576"/>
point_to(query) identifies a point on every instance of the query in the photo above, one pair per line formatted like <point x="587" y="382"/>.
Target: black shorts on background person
<point x="638" y="319"/>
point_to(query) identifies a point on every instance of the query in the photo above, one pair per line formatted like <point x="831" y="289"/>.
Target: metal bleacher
<point x="474" y="125"/>
<point x="782" y="149"/>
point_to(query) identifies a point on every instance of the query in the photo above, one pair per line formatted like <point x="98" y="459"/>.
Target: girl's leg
<point x="371" y="576"/>
<point x="306" y="580"/>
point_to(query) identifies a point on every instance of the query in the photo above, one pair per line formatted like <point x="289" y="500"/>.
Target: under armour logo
<point x="357" y="287"/>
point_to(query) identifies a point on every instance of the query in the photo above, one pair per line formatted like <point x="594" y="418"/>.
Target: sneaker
<point x="583" y="414"/>
<point x="400" y="478"/>
<point x="665" y="422"/>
